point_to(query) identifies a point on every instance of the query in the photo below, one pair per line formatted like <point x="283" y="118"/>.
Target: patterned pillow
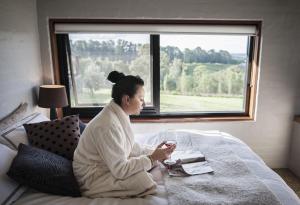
<point x="44" y="171"/>
<point x="59" y="136"/>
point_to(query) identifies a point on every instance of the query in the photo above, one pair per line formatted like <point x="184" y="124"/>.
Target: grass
<point x="181" y="103"/>
<point x="102" y="96"/>
<point x="174" y="103"/>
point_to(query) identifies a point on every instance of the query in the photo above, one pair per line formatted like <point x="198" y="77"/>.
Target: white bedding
<point x="285" y="195"/>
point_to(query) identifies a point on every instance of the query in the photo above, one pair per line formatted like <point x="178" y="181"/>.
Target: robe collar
<point x="119" y="111"/>
<point x="124" y="119"/>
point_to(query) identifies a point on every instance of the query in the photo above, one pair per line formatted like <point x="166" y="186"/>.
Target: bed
<point x="200" y="189"/>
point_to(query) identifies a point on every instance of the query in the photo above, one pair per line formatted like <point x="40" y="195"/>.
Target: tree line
<point x="127" y="51"/>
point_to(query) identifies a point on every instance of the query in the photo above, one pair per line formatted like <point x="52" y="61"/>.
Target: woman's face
<point x="136" y="103"/>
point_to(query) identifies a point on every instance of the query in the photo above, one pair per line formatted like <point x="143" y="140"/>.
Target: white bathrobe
<point x="107" y="162"/>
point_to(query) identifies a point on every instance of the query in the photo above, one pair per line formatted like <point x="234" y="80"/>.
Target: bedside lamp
<point x="52" y="96"/>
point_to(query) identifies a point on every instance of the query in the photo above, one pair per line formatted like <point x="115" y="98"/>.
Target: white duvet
<point x="257" y="167"/>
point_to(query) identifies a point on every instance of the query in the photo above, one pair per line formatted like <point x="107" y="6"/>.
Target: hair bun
<point x="115" y="76"/>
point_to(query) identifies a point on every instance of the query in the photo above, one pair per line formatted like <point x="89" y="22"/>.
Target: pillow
<point x="44" y="171"/>
<point x="13" y="117"/>
<point x="58" y="136"/>
<point x="9" y="189"/>
<point x="81" y="126"/>
<point x="16" y="133"/>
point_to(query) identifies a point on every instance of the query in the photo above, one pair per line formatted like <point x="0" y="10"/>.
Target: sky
<point x="231" y="43"/>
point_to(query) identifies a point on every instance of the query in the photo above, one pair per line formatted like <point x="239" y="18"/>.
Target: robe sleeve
<point x="139" y="150"/>
<point x="110" y="147"/>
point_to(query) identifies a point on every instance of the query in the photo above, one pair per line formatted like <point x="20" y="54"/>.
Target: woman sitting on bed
<point x="107" y="162"/>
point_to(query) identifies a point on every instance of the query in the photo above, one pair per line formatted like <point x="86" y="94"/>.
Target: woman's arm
<point x="139" y="150"/>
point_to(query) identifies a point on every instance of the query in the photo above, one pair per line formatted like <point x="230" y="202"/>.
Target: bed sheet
<point x="253" y="161"/>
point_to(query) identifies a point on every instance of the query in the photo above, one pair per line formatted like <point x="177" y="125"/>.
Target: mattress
<point x="256" y="165"/>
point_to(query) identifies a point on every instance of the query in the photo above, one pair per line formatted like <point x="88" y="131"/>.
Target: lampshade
<point x="52" y="96"/>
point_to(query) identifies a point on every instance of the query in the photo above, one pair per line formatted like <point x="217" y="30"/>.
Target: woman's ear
<point x="125" y="100"/>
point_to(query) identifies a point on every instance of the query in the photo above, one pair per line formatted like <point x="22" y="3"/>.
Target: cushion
<point x="16" y="133"/>
<point x="44" y="171"/>
<point x="81" y="126"/>
<point x="9" y="189"/>
<point x="58" y="136"/>
<point x="13" y="117"/>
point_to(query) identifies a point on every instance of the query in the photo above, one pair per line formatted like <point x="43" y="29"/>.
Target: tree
<point x="186" y="84"/>
<point x="164" y="67"/>
<point x="141" y="66"/>
<point x="169" y="83"/>
<point x="93" y="79"/>
<point x="188" y="56"/>
<point x="172" y="52"/>
<point x="176" y="68"/>
<point x="121" y="67"/>
<point x="198" y="80"/>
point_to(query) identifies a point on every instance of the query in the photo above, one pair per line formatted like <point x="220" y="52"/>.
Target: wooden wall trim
<point x="53" y="44"/>
<point x="55" y="64"/>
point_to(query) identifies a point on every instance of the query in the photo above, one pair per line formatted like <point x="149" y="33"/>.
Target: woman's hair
<point x="124" y="85"/>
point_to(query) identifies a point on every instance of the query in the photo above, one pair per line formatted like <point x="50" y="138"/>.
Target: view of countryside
<point x="198" y="73"/>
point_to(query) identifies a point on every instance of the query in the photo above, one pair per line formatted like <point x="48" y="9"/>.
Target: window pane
<point x="203" y="73"/>
<point x="94" y="56"/>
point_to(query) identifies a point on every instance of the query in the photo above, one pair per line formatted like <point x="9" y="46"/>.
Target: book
<point x="188" y="156"/>
<point x="187" y="163"/>
<point x="184" y="157"/>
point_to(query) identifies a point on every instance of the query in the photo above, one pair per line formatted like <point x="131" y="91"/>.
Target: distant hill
<point x="239" y="56"/>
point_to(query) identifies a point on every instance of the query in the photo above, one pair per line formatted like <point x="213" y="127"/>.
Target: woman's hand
<point x="161" y="153"/>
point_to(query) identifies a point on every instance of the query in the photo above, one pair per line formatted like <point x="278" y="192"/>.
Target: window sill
<point x="185" y="119"/>
<point x="191" y="119"/>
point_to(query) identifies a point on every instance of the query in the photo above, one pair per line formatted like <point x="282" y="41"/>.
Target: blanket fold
<point x="231" y="183"/>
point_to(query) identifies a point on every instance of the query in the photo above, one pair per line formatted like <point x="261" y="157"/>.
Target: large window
<point x="190" y="70"/>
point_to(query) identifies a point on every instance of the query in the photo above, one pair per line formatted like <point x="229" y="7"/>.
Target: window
<point x="195" y="69"/>
<point x="203" y="73"/>
<point x="94" y="56"/>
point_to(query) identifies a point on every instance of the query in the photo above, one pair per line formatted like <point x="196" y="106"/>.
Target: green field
<point x="174" y="103"/>
<point x="181" y="103"/>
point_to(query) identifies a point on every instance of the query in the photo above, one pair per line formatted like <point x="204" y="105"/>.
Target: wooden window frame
<point x="150" y="114"/>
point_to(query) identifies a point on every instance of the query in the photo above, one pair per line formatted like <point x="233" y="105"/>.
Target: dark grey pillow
<point x="44" y="171"/>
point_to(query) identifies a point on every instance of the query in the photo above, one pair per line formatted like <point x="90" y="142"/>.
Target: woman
<point x="107" y="162"/>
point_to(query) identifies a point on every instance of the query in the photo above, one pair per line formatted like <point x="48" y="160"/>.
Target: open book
<point x="186" y="163"/>
<point x="188" y="156"/>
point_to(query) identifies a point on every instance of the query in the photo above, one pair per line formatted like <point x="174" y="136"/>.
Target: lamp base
<point x="53" y="114"/>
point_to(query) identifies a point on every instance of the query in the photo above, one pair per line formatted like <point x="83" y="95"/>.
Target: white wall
<point x="20" y="61"/>
<point x="269" y="135"/>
